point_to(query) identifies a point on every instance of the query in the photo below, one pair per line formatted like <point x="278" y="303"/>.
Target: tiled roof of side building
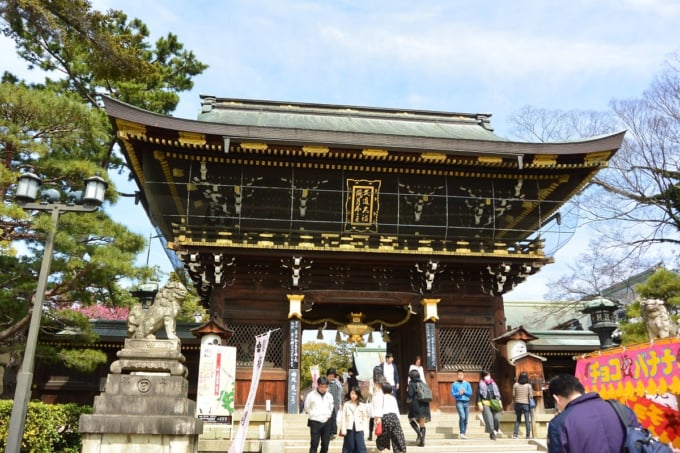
<point x="543" y="315"/>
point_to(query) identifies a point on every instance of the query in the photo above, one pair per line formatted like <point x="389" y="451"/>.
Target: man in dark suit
<point x="390" y="372"/>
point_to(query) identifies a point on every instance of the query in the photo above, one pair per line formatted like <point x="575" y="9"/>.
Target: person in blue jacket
<point x="585" y="422"/>
<point x="461" y="390"/>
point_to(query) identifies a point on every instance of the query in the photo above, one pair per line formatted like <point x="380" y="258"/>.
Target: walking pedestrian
<point x="353" y="422"/>
<point x="388" y="416"/>
<point x="487" y="391"/>
<point x="390" y="372"/>
<point x="376" y="397"/>
<point x="461" y="390"/>
<point x="319" y="408"/>
<point x="335" y="389"/>
<point x="417" y="365"/>
<point x="521" y="395"/>
<point x="418" y="411"/>
<point x="352" y="380"/>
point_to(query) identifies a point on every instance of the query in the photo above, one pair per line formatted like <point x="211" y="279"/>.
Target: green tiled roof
<point x="117" y="331"/>
<point x="360" y="120"/>
<point x="539" y="316"/>
<point x="565" y="341"/>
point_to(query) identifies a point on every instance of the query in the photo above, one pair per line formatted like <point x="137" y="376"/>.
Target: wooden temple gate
<point x="294" y="216"/>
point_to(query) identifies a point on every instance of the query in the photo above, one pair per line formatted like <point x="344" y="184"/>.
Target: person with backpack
<point x="418" y="396"/>
<point x="521" y="395"/>
<point x="585" y="422"/>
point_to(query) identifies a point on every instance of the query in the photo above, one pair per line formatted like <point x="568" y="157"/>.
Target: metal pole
<point x="148" y="250"/>
<point x="22" y="394"/>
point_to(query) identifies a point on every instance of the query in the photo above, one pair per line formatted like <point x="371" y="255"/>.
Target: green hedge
<point x="49" y="427"/>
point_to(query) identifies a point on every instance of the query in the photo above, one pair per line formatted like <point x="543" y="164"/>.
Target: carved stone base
<point x="138" y="443"/>
<point x="156" y="356"/>
<point x="144" y="405"/>
<point x="140" y="424"/>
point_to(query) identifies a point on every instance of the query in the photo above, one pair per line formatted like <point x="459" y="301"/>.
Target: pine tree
<point x="58" y="130"/>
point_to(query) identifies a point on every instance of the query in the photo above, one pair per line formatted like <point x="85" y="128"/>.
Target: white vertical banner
<point x="216" y="379"/>
<point x="314" y="371"/>
<point x="261" y="343"/>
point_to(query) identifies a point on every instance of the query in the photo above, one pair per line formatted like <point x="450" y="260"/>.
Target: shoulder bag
<point x="496" y="405"/>
<point x="532" y="402"/>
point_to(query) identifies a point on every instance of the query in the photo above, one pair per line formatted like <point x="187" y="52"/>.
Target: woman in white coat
<point x="353" y="422"/>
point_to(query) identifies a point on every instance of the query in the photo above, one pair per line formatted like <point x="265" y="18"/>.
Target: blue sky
<point x="475" y="57"/>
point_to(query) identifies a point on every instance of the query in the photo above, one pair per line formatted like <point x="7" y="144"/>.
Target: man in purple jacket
<point x="585" y="422"/>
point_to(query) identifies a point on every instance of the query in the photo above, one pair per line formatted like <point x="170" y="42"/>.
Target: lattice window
<point x="467" y="348"/>
<point x="244" y="341"/>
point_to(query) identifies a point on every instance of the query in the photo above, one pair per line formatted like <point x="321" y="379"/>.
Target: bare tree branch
<point x="634" y="204"/>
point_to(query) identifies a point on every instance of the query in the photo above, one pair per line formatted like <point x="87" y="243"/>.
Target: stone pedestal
<point x="144" y="406"/>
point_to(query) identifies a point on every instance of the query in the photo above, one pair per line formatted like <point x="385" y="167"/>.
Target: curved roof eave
<point x="353" y="139"/>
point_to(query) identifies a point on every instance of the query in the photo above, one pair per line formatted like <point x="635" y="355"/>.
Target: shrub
<point x="49" y="427"/>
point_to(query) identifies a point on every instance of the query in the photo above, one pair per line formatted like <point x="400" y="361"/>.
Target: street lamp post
<point x="26" y="194"/>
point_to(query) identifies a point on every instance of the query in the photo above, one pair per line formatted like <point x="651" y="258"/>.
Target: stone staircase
<point x="442" y="437"/>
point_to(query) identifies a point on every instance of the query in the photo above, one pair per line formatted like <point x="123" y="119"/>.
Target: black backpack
<point x="423" y="392"/>
<point x="638" y="440"/>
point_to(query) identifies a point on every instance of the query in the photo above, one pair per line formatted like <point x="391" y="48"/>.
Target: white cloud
<point x="434" y="54"/>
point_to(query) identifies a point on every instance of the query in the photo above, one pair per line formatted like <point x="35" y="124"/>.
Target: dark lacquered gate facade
<point x="286" y="216"/>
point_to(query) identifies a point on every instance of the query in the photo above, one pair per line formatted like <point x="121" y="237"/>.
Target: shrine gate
<point x="407" y="224"/>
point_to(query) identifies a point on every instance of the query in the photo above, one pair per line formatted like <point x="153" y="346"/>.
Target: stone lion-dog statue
<point x="143" y="324"/>
<point x="657" y="320"/>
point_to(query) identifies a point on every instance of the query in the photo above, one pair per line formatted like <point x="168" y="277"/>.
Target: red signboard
<point x="645" y="377"/>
